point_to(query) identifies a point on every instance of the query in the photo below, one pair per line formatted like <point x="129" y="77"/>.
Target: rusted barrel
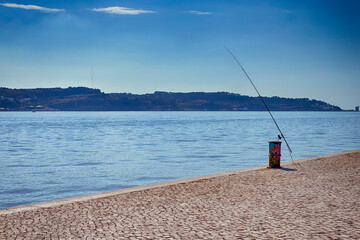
<point x="274" y="154"/>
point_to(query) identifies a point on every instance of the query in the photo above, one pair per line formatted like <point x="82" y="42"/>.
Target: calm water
<point x="52" y="155"/>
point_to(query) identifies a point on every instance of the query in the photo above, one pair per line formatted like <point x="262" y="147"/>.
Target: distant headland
<point x="88" y="99"/>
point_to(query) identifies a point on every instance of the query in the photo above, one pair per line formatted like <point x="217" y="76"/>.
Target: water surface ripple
<point x="53" y="155"/>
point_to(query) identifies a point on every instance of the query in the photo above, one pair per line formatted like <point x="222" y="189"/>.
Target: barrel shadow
<point x="288" y="169"/>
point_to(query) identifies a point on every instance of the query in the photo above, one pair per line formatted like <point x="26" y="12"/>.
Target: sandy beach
<point x="319" y="199"/>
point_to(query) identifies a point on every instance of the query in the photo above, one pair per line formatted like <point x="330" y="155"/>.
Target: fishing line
<point x="282" y="135"/>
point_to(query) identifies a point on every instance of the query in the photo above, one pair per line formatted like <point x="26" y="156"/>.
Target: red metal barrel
<point x="274" y="154"/>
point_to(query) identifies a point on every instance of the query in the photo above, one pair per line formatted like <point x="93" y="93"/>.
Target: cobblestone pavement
<point x="320" y="200"/>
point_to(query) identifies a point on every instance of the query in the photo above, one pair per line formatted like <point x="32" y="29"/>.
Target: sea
<point x="47" y="156"/>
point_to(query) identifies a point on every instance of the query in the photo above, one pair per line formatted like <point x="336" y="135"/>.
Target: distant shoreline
<point x="166" y="111"/>
<point x="87" y="99"/>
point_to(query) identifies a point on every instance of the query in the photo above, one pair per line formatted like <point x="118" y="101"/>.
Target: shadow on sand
<point x="287" y="169"/>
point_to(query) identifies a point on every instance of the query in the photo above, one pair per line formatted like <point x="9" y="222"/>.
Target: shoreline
<point x="59" y="202"/>
<point x="235" y="198"/>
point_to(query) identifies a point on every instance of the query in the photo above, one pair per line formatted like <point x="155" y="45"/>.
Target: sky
<point x="298" y="48"/>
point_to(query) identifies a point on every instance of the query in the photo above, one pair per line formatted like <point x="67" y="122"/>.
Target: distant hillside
<point x="87" y="99"/>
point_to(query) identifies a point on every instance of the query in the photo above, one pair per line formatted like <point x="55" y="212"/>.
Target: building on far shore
<point x="356" y="108"/>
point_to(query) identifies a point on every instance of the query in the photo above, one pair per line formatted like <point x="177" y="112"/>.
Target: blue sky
<point x="289" y="48"/>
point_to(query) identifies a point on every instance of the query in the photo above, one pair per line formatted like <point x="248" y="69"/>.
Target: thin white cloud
<point x="287" y="11"/>
<point x="31" y="7"/>
<point x="122" y="10"/>
<point x="199" y="12"/>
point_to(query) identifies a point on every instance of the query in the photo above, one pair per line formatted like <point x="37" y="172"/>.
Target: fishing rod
<point x="282" y="135"/>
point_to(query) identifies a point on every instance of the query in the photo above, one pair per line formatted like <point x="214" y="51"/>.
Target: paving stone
<point x="317" y="200"/>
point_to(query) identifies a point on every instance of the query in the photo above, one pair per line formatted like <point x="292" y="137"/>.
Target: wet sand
<point x="318" y="200"/>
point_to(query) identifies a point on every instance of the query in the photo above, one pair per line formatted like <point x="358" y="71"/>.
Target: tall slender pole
<point x="282" y="135"/>
<point x="92" y="76"/>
